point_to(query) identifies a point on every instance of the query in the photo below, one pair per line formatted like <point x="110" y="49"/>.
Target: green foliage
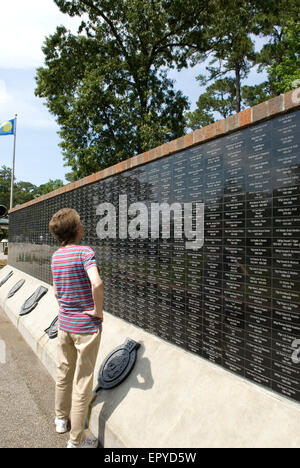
<point x="273" y="17"/>
<point x="218" y="98"/>
<point x="48" y="187"/>
<point x="5" y="174"/>
<point x="253" y="95"/>
<point x="287" y="73"/>
<point x="23" y="191"/>
<point x="230" y="46"/>
<point x="107" y="86"/>
<point x="231" y="35"/>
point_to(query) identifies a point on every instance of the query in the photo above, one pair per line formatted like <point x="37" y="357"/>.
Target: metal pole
<point x="14" y="164"/>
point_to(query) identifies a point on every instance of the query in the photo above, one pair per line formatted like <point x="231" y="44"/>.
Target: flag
<point x="8" y="127"/>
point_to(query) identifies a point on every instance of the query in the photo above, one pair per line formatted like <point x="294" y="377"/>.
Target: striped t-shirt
<point x="69" y="267"/>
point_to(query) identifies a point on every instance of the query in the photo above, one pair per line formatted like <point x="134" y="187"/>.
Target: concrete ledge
<point x="172" y="399"/>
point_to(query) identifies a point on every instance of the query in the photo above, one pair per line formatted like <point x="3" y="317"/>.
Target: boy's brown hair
<point x="64" y="225"/>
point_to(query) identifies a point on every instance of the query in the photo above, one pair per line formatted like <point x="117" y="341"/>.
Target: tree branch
<point x="89" y="4"/>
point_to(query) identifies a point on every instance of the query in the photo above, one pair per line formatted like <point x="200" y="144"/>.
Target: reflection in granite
<point x="236" y="301"/>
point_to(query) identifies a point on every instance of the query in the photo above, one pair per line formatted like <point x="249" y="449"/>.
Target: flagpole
<point x="14" y="164"/>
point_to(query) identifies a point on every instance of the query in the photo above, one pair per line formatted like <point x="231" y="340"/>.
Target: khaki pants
<point x="74" y="384"/>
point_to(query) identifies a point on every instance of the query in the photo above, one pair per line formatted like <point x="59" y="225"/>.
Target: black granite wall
<point x="236" y="301"/>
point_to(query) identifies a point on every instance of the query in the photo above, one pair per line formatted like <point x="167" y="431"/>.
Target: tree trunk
<point x="238" y="88"/>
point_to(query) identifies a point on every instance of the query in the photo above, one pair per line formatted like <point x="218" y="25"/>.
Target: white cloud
<point x="31" y="112"/>
<point x="5" y="98"/>
<point x="24" y="24"/>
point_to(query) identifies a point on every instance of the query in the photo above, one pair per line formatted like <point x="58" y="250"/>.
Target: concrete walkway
<point x="26" y="395"/>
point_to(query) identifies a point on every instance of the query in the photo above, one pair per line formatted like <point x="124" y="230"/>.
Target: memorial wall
<point x="235" y="300"/>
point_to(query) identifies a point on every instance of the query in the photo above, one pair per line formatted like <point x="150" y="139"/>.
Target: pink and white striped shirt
<point x="69" y="267"/>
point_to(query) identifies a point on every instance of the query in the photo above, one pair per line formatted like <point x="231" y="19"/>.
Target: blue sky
<point x="23" y="27"/>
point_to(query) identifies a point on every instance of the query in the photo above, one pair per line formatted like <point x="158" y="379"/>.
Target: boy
<point x="79" y="291"/>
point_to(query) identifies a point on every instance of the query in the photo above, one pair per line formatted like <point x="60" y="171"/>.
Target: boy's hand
<point x="93" y="313"/>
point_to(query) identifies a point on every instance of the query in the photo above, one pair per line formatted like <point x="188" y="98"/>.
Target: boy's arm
<point x="97" y="291"/>
<point x="55" y="291"/>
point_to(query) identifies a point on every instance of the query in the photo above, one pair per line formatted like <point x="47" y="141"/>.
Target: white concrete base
<point x="172" y="399"/>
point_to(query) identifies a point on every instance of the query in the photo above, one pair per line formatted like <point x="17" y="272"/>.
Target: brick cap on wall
<point x="264" y="111"/>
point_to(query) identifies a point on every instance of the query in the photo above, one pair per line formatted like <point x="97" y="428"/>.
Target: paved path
<point x="26" y="395"/>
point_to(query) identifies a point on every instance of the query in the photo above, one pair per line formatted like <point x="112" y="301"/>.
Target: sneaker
<point x="61" y="425"/>
<point x="88" y="443"/>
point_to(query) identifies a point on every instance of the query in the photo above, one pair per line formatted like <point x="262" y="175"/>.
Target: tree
<point x="23" y="191"/>
<point x="107" y="86"/>
<point x="286" y="74"/>
<point x="272" y="19"/>
<point x="5" y="178"/>
<point x="231" y="36"/>
<point x="273" y="16"/>
<point x="230" y="45"/>
<point x="219" y="98"/>
<point x="50" y="186"/>
<point x="253" y="95"/>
